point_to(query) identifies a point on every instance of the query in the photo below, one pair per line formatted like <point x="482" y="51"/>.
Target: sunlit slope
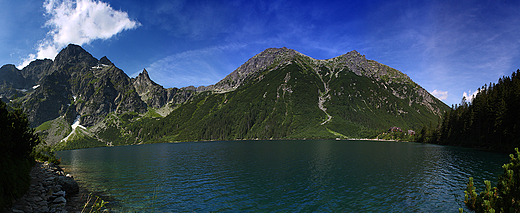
<point x="299" y="98"/>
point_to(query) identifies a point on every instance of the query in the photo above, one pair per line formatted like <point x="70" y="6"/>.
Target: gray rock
<point x="34" y="199"/>
<point x="60" y="193"/>
<point x="44" y="209"/>
<point x="60" y="200"/>
<point x="68" y="185"/>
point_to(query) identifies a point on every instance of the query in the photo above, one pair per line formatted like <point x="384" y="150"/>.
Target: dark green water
<point x="283" y="176"/>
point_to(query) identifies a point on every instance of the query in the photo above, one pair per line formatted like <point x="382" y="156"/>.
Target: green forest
<point x="489" y="121"/>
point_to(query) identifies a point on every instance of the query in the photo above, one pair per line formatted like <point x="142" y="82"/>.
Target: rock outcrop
<point x="156" y="96"/>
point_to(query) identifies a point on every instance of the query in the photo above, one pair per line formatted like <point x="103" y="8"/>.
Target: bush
<point x="17" y="141"/>
<point x="45" y="153"/>
<point x="504" y="198"/>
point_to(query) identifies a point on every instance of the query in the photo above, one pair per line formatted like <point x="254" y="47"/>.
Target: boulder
<point x="68" y="185"/>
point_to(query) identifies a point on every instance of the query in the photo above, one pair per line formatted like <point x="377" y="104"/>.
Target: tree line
<point x="491" y="120"/>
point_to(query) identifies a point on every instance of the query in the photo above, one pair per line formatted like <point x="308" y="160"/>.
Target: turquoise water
<point x="283" y="176"/>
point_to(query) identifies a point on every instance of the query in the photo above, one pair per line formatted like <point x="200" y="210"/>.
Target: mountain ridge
<point x="345" y="95"/>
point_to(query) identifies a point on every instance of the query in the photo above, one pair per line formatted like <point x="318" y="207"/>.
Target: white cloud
<point x="470" y="97"/>
<point x="78" y="22"/>
<point x="442" y="95"/>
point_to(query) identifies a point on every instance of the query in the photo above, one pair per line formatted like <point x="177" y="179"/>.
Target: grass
<point x="44" y="126"/>
<point x="152" y="113"/>
<point x="79" y="140"/>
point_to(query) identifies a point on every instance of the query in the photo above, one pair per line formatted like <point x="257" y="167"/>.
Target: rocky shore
<point x="51" y="190"/>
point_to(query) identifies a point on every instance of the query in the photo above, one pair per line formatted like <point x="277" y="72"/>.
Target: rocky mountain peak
<point x="105" y="61"/>
<point x="10" y="75"/>
<point x="7" y="68"/>
<point x="283" y="52"/>
<point x="257" y="63"/>
<point x="73" y="55"/>
<point x="144" y="79"/>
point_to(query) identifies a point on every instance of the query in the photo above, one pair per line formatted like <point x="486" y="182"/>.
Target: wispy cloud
<point x="201" y="67"/>
<point x="442" y="95"/>
<point x="78" y="22"/>
<point x="453" y="46"/>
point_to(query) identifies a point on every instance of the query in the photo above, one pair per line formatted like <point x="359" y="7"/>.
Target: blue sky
<point x="451" y="48"/>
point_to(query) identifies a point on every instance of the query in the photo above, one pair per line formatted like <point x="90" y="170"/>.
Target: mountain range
<point x="78" y="101"/>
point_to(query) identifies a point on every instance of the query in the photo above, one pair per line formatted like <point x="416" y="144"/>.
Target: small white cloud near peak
<point x="441" y="95"/>
<point x="78" y="22"/>
<point x="470" y="97"/>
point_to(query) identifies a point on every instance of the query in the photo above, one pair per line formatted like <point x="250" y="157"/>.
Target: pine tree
<point x="503" y="198"/>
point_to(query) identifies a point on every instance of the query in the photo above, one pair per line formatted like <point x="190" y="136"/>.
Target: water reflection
<point x="283" y="175"/>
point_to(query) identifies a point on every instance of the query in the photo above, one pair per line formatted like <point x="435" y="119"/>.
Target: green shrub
<point x="504" y="198"/>
<point x="45" y="153"/>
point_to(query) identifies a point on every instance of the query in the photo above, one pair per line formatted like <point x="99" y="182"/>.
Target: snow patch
<point x="74" y="98"/>
<point x="36" y="86"/>
<point x="74" y="125"/>
<point x="100" y="66"/>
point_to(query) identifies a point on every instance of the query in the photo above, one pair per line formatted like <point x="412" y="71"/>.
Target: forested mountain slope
<point x="491" y="120"/>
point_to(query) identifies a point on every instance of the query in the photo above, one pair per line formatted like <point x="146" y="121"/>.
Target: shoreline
<point x="51" y="190"/>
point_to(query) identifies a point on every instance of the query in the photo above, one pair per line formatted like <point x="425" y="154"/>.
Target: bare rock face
<point x="35" y="71"/>
<point x="257" y="63"/>
<point x="104" y="89"/>
<point x="156" y="96"/>
<point x="150" y="92"/>
<point x="10" y="75"/>
<point x="11" y="81"/>
<point x="76" y="83"/>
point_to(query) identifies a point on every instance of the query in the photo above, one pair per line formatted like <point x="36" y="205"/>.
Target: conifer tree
<point x="503" y="198"/>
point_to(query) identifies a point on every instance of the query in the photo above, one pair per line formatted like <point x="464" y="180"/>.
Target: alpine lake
<point x="283" y="176"/>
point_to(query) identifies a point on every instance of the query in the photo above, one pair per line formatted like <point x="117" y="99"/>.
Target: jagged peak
<point x="144" y="74"/>
<point x="105" y="61"/>
<point x="144" y="79"/>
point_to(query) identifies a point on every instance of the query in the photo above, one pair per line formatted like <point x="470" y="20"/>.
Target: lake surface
<point x="283" y="176"/>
